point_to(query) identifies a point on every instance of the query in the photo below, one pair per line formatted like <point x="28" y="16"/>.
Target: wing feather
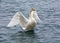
<point x="18" y="18"/>
<point x="36" y="17"/>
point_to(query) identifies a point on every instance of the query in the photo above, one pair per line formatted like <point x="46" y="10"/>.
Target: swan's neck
<point x="31" y="15"/>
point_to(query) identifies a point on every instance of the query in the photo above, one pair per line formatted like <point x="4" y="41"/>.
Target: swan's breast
<point x="31" y="25"/>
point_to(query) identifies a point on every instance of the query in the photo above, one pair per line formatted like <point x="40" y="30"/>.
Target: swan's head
<point x="32" y="12"/>
<point x="33" y="9"/>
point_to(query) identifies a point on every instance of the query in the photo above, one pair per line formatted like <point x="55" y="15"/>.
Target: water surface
<point x="47" y="32"/>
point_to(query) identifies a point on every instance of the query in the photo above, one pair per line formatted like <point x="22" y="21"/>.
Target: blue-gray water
<point x="47" y="32"/>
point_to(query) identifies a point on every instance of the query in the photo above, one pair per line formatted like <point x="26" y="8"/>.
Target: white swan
<point x="26" y="24"/>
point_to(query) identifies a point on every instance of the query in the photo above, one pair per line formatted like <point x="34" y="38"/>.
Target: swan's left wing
<point x="14" y="21"/>
<point x="18" y="18"/>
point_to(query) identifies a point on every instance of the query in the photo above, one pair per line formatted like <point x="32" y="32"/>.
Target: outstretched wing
<point x="18" y="18"/>
<point x="36" y="17"/>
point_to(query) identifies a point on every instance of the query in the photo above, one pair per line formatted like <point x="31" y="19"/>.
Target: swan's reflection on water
<point x="24" y="37"/>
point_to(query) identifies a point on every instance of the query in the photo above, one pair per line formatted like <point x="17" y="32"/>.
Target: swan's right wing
<point x="18" y="18"/>
<point x="36" y="17"/>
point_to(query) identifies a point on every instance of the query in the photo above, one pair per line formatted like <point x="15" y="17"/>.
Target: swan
<point x="26" y="24"/>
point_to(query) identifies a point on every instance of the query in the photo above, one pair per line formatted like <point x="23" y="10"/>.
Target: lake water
<point x="46" y="32"/>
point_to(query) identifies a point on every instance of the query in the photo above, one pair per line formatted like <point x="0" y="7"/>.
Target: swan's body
<point x="26" y="24"/>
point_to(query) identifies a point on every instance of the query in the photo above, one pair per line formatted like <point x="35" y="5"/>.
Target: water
<point x="47" y="32"/>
